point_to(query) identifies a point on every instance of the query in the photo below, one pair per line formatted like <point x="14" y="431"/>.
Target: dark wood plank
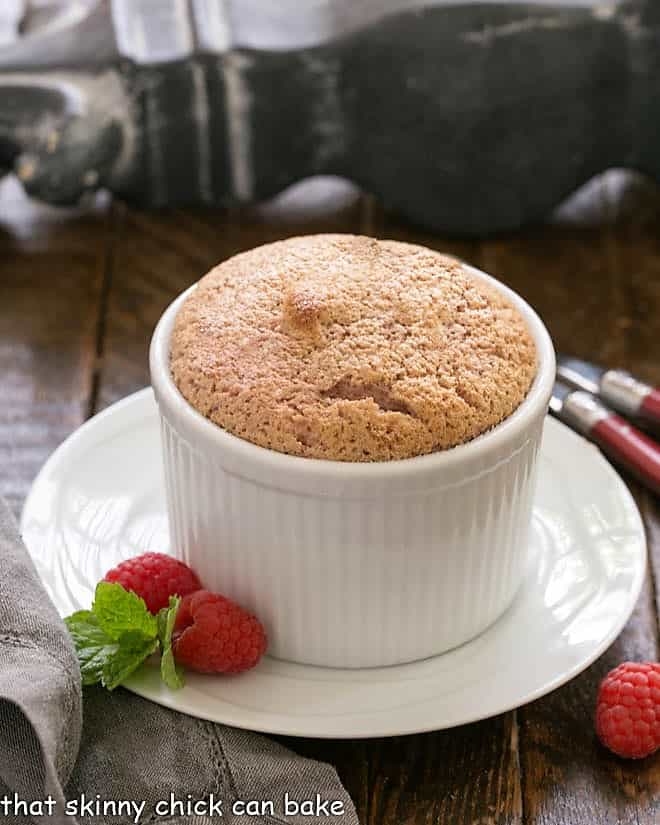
<point x="564" y="274"/>
<point x="459" y="777"/>
<point x="596" y="285"/>
<point x="464" y="775"/>
<point x="634" y="251"/>
<point x="351" y="758"/>
<point x="51" y="272"/>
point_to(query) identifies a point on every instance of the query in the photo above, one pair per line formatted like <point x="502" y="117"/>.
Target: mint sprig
<point x="93" y="646"/>
<point x="133" y="648"/>
<point x="114" y="638"/>
<point x="169" y="672"/>
<point x="120" y="611"/>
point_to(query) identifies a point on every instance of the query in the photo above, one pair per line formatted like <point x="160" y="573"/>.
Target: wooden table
<point x="80" y="293"/>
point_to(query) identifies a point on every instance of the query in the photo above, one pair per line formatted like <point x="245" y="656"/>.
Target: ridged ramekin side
<point x="355" y="582"/>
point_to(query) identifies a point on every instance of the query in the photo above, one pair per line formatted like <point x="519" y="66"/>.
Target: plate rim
<point x="280" y="724"/>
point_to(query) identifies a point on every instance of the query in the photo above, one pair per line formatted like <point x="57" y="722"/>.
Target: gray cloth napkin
<point x="58" y="741"/>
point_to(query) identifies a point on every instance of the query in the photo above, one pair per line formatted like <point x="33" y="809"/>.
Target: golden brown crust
<point x="347" y="348"/>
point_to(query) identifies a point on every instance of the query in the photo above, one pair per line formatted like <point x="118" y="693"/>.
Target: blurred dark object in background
<point x="469" y="118"/>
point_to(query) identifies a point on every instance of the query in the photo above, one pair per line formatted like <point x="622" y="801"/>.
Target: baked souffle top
<point x="348" y="348"/>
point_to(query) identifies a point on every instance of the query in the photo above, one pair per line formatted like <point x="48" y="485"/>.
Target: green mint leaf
<point x="118" y="611"/>
<point x="93" y="646"/>
<point x="169" y="672"/>
<point x="114" y="638"/>
<point x="133" y="648"/>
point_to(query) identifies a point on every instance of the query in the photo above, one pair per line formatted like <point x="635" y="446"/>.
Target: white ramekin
<point x="355" y="565"/>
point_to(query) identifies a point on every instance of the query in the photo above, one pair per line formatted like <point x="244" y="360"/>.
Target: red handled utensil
<point x="624" y="444"/>
<point x="617" y="388"/>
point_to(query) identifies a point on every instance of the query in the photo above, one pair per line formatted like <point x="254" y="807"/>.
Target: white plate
<point x="100" y="499"/>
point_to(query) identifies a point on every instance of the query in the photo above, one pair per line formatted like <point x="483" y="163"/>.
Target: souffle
<point x="348" y="348"/>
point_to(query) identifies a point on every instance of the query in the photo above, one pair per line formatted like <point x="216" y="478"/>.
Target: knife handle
<point x="623" y="392"/>
<point x="650" y="407"/>
<point x="627" y="446"/>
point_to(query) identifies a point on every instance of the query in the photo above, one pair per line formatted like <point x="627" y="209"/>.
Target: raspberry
<point x="628" y="710"/>
<point x="155" y="577"/>
<point x="212" y="634"/>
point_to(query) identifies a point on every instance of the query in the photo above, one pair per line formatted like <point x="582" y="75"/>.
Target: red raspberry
<point x="212" y="634"/>
<point x="628" y="710"/>
<point x="155" y="577"/>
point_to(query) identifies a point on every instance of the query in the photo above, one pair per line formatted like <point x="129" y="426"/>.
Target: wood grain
<point x="79" y="296"/>
<point x="51" y="272"/>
